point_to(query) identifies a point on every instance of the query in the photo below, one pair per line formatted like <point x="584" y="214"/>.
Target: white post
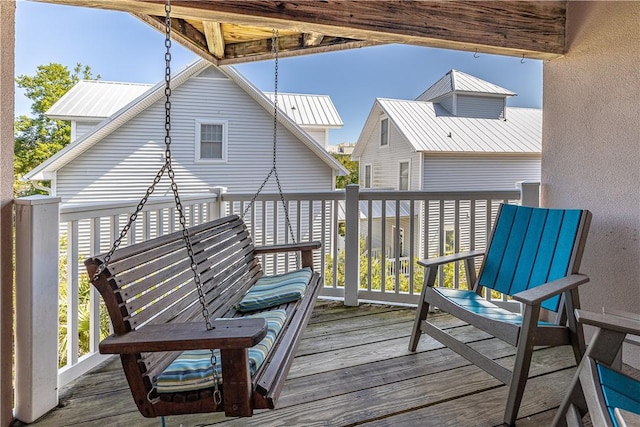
<point x="352" y="245"/>
<point x="218" y="207"/>
<point x="529" y="193"/>
<point x="36" y="383"/>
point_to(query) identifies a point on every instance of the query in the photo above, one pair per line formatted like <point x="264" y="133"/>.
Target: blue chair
<point x="611" y="397"/>
<point x="533" y="256"/>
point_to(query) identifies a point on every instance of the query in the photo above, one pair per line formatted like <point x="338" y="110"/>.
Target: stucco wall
<point x="591" y="144"/>
<point x="7" y="44"/>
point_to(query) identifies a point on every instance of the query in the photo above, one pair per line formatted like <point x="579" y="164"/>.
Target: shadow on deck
<point x="353" y="368"/>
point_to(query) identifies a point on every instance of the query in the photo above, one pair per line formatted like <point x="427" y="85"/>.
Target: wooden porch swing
<point x="224" y="345"/>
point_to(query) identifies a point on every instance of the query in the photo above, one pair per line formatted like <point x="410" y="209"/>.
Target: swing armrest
<point x="227" y="334"/>
<point x="287" y="247"/>
<point x="305" y="248"/>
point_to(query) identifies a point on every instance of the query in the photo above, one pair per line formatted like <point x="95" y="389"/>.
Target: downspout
<point x="37" y="186"/>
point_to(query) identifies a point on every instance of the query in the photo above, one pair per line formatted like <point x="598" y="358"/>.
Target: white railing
<point x="360" y="231"/>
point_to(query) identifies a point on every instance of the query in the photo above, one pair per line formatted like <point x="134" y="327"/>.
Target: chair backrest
<point x="532" y="246"/>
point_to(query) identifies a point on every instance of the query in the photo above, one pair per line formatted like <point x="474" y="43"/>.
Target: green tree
<point x="38" y="137"/>
<point x="352" y="166"/>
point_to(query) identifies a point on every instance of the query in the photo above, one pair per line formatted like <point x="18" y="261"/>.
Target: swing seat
<point x="160" y="333"/>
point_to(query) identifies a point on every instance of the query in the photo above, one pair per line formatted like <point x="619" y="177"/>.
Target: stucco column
<point x="7" y="96"/>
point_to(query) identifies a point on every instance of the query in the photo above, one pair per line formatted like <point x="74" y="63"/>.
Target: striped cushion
<point x="270" y="291"/>
<point x="192" y="370"/>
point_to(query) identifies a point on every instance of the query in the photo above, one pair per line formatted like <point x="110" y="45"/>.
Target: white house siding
<point x="385" y="160"/>
<point x="447" y="103"/>
<point x="479" y="107"/>
<point x="125" y="162"/>
<point x="478" y="172"/>
<point x="320" y="135"/>
<point x="80" y="128"/>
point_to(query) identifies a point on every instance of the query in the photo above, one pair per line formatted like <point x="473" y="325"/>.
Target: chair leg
<point x="523" y="361"/>
<point x="423" y="308"/>
<point x="416" y="333"/>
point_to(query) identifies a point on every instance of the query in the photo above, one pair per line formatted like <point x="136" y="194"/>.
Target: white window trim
<point x="408" y="161"/>
<point x="364" y="177"/>
<point x="197" y="142"/>
<point x="388" y="133"/>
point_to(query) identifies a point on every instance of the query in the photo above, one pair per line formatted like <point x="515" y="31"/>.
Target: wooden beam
<point x="531" y="28"/>
<point x="184" y="33"/>
<point x="215" y="39"/>
<point x="311" y="39"/>
<point x="257" y="50"/>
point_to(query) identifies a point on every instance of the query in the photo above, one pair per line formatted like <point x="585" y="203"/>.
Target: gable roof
<point x="107" y="126"/>
<point x="459" y="82"/>
<point x="95" y="99"/>
<point x="308" y="110"/>
<point x="429" y="127"/>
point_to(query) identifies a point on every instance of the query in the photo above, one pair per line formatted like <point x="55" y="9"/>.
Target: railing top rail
<point x="78" y="211"/>
<point x="269" y="197"/>
<point x="438" y="195"/>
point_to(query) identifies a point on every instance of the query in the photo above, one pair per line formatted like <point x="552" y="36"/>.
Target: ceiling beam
<point x="534" y="29"/>
<point x="215" y="39"/>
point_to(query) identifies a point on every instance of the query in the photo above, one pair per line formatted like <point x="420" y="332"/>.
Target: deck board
<point x="353" y="368"/>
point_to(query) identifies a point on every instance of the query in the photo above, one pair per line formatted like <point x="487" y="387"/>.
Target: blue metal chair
<point x="611" y="397"/>
<point x="533" y="256"/>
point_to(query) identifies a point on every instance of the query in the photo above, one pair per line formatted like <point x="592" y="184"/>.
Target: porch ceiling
<point x="226" y="32"/>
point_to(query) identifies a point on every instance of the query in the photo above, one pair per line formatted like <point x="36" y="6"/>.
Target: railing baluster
<point x="72" y="293"/>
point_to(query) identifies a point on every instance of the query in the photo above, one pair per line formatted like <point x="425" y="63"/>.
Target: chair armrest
<point x="446" y="259"/>
<point x="628" y="323"/>
<point x="227" y="334"/>
<point x="289" y="247"/>
<point x="540" y="293"/>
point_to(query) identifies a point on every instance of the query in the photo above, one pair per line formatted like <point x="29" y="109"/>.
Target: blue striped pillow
<point x="192" y="370"/>
<point x="271" y="291"/>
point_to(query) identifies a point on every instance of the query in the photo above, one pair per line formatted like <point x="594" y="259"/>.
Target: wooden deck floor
<point x="353" y="368"/>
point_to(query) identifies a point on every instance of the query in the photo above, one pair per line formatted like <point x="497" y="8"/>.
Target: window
<point x="403" y="178"/>
<point x="211" y="141"/>
<point x="384" y="132"/>
<point x="367" y="176"/>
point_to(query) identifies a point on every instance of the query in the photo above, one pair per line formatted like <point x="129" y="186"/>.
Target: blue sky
<point x="119" y="47"/>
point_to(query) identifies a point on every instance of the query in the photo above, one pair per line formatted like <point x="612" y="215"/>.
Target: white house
<point x="222" y="133"/>
<point x="458" y="135"/>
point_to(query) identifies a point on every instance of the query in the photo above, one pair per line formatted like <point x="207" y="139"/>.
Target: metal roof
<point x="154" y="94"/>
<point x="308" y="110"/>
<point x="429" y="127"/>
<point x="95" y="99"/>
<point x="457" y="81"/>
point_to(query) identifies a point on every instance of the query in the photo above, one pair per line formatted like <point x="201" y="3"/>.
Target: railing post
<point x="352" y="245"/>
<point x="218" y="207"/>
<point x="529" y="193"/>
<point x="37" y="271"/>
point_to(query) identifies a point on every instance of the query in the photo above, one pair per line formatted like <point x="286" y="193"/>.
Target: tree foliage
<point x="352" y="166"/>
<point x="38" y="137"/>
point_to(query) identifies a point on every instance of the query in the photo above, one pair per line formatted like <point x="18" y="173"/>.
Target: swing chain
<point x="167" y="167"/>
<point x="275" y="36"/>
<point x="217" y="397"/>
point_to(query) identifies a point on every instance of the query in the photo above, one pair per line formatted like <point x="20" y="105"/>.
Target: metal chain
<point x="217" y="397"/>
<point x="275" y="36"/>
<point x="167" y="167"/>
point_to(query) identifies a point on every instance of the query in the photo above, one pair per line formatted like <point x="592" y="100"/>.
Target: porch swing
<point x="224" y="345"/>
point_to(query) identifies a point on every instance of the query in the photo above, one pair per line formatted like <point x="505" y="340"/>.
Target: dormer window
<point x="384" y="132"/>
